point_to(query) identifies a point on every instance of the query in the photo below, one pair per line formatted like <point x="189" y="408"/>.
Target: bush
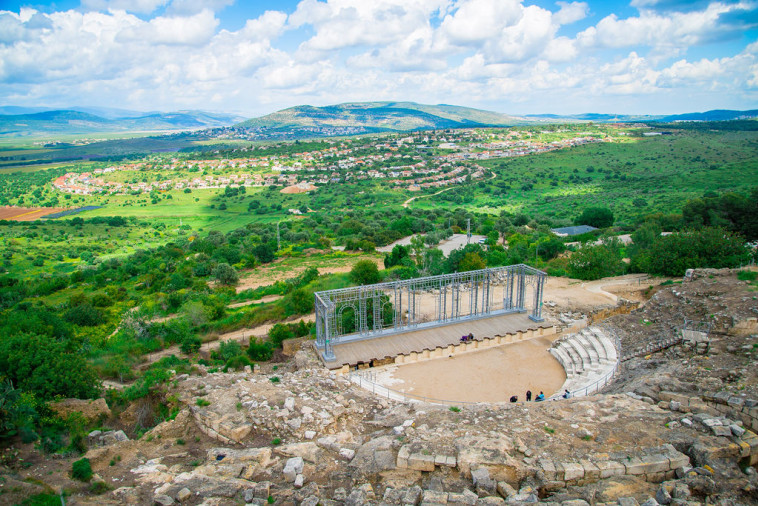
<point x="81" y="470"/>
<point x="599" y="217"/>
<point x="279" y="333"/>
<point x="365" y="272"/>
<point x="190" y="344"/>
<point x="597" y="261"/>
<point x="237" y="362"/>
<point x="673" y="254"/>
<point x="259" y="351"/>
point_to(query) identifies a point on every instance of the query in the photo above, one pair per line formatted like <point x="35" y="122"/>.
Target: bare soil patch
<point x="288" y="268"/>
<point x="27" y="213"/>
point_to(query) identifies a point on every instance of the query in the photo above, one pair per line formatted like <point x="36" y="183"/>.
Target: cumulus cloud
<point x="571" y="12"/>
<point x="168" y="54"/>
<point x="676" y="29"/>
<point x="346" y="23"/>
<point x="136" y="6"/>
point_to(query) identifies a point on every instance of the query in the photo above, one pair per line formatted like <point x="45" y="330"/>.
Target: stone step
<point x="589" y="348"/>
<point x="586" y="364"/>
<point x="564" y="360"/>
<point x="576" y="358"/>
<point x="599" y="348"/>
<point x="607" y="342"/>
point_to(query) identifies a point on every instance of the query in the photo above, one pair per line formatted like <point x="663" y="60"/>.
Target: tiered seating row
<point x="586" y="357"/>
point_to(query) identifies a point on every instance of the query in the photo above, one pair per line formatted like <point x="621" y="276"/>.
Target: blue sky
<point x="255" y="57"/>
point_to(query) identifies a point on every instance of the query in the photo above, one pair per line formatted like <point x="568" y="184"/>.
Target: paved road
<point x="455" y="242"/>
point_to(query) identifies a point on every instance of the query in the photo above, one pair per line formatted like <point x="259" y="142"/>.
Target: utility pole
<point x="468" y="230"/>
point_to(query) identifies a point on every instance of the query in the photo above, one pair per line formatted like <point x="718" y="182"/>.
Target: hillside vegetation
<point x="383" y="116"/>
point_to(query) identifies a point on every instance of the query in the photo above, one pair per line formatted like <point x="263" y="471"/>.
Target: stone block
<point x="505" y="490"/>
<point x="421" y="462"/>
<point x="572" y="471"/>
<point x="610" y="468"/>
<point x="656" y="463"/>
<point x="634" y="466"/>
<point x="678" y="460"/>
<point x="402" y="457"/>
<point x="548" y="468"/>
<point x="292" y="468"/>
<point x="591" y="471"/>
<point x="434" y="497"/>
<point x="720" y="430"/>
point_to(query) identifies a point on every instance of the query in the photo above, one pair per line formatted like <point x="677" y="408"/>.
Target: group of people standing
<point x="539" y="398"/>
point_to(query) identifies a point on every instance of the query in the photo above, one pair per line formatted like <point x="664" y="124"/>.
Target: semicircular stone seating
<point x="587" y="357"/>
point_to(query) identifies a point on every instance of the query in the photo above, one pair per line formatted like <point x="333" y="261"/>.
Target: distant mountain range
<point x="715" y="115"/>
<point x="381" y="116"/>
<point x="31" y="122"/>
<point x="304" y="120"/>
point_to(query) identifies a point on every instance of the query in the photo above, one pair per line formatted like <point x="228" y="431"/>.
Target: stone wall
<point x="623" y="306"/>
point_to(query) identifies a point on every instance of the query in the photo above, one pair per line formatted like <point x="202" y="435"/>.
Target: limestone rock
<point x="292" y="468"/>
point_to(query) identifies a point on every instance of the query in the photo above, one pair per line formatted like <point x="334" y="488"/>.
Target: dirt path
<point x="262" y="300"/>
<point x="288" y="268"/>
<point x="241" y="335"/>
<point x="405" y="204"/>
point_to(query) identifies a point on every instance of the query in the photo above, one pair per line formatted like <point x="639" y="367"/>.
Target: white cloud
<point x="137" y="6"/>
<point x="571" y="12"/>
<point x="193" y="30"/>
<point x="650" y="28"/>
<point x="490" y="53"/>
<point x="347" y="23"/>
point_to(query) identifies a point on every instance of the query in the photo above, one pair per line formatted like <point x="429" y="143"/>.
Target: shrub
<point x="237" y="362"/>
<point x="599" y="217"/>
<point x="364" y="272"/>
<point x="673" y="254"/>
<point x="225" y="274"/>
<point x="81" y="470"/>
<point x="190" y="344"/>
<point x="258" y="350"/>
<point x="597" y="261"/>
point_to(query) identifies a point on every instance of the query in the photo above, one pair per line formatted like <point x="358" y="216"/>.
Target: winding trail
<point x="405" y="204"/>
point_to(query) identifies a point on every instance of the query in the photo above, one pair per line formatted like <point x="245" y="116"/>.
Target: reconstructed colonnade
<point x="369" y="311"/>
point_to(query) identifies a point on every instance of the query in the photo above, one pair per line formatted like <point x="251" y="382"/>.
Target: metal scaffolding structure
<point x="370" y="311"/>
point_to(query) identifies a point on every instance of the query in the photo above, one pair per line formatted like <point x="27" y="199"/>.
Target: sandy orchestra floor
<point x="490" y="375"/>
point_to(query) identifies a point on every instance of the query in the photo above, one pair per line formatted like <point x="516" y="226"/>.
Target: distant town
<point x="414" y="162"/>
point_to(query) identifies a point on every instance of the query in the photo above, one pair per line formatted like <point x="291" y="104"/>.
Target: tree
<point x="673" y="254"/>
<point x="264" y="253"/>
<point x="395" y="256"/>
<point x="471" y="261"/>
<point x="597" y="261"/>
<point x="365" y="272"/>
<point x="599" y="217"/>
<point x="46" y="367"/>
<point x="225" y="274"/>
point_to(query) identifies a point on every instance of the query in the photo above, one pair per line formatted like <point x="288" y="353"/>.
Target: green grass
<point x="662" y="171"/>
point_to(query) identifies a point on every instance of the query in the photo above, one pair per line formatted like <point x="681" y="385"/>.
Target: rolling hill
<point x="57" y="122"/>
<point x="381" y="116"/>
